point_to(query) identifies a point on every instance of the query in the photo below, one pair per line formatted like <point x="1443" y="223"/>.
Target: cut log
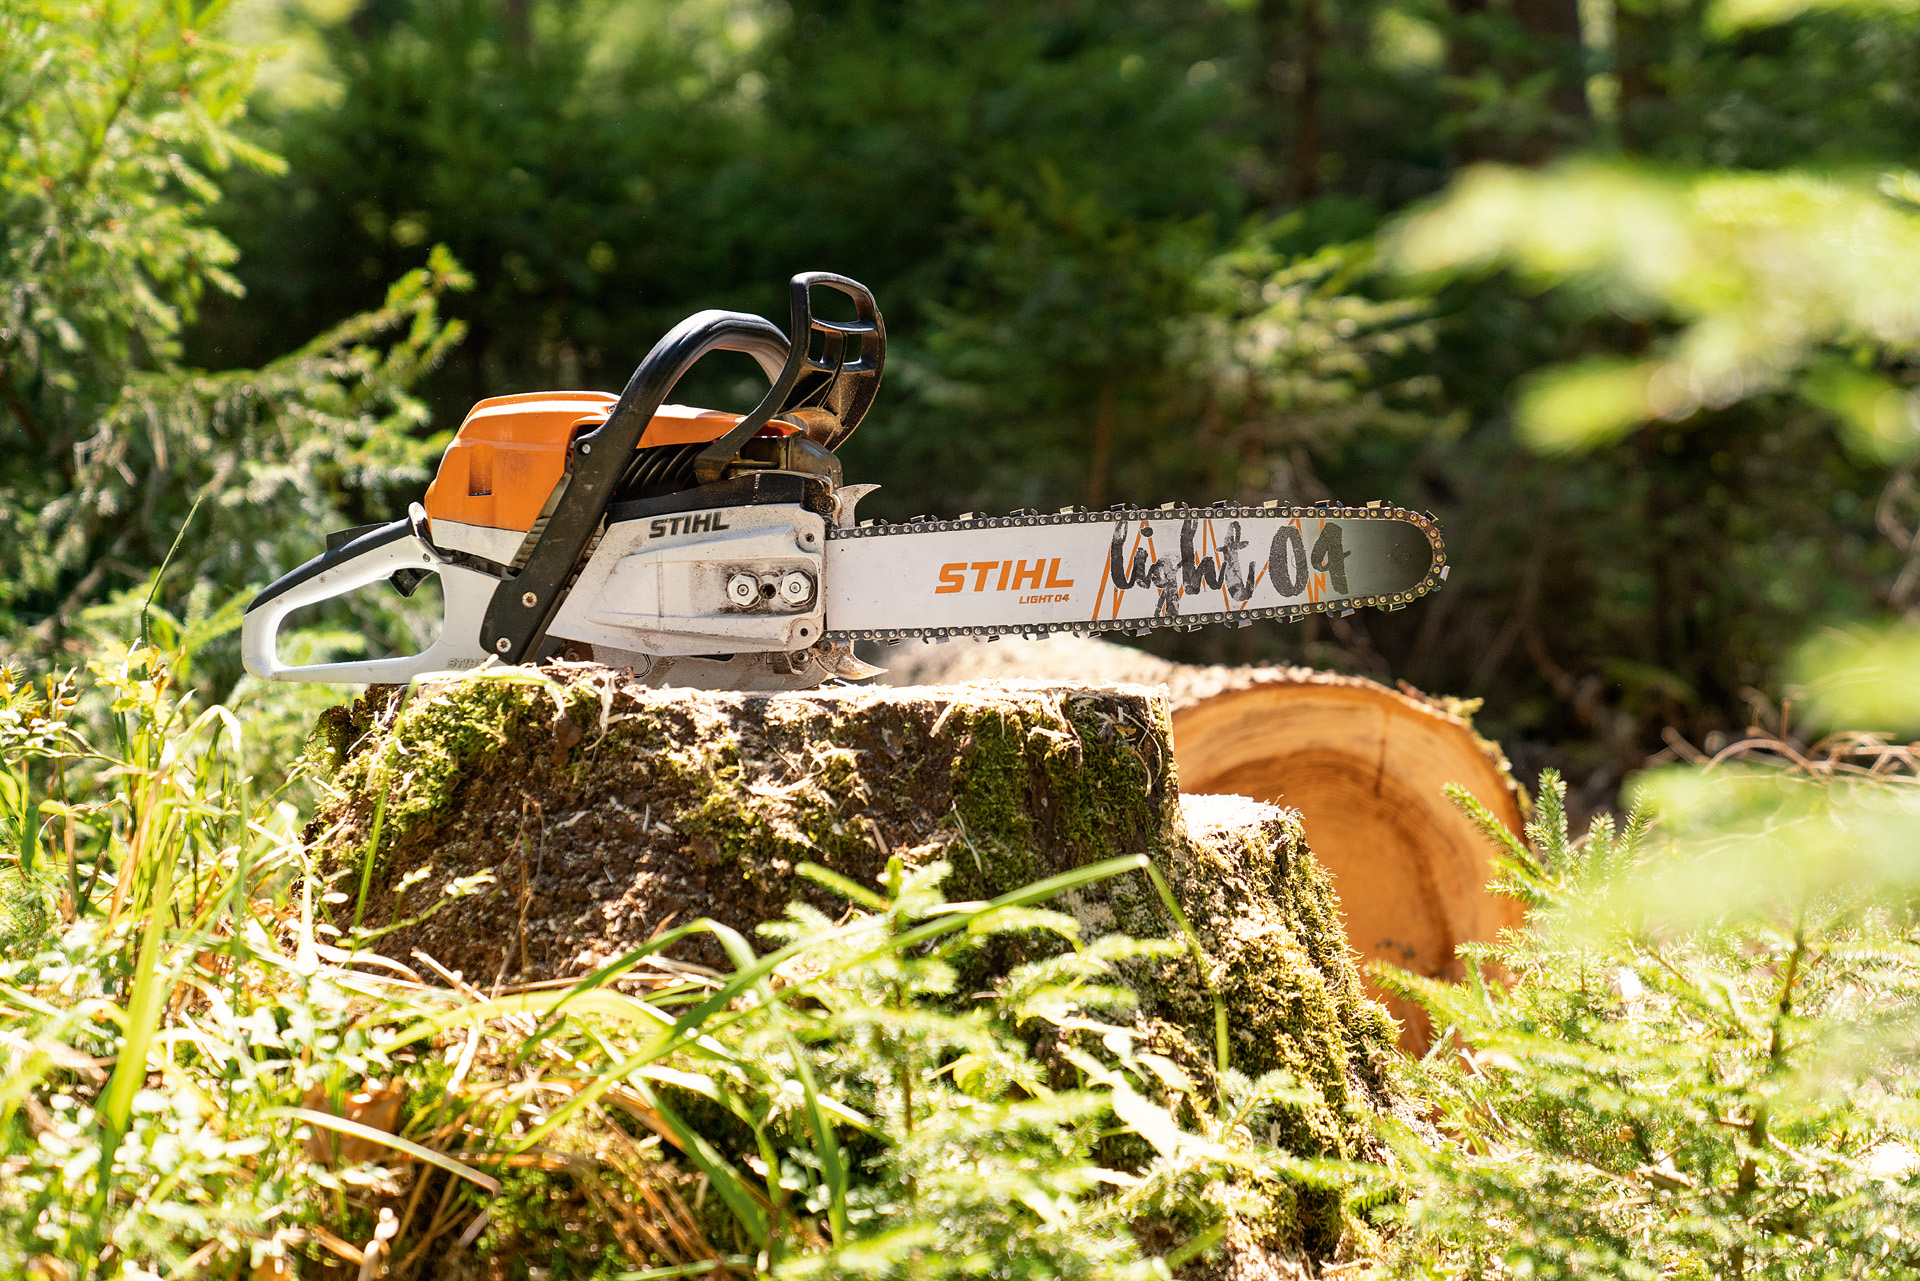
<point x="603" y="810"/>
<point x="1364" y="764"/>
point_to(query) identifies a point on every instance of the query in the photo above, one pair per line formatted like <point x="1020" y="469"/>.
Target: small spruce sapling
<point x="1642" y="1083"/>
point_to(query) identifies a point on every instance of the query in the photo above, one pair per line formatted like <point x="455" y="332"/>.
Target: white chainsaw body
<point x="659" y="585"/>
<point x="660" y="594"/>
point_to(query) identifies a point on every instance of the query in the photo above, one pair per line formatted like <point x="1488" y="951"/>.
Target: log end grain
<point x="1365" y="765"/>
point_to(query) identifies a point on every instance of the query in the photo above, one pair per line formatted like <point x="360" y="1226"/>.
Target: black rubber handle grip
<point x="366" y="538"/>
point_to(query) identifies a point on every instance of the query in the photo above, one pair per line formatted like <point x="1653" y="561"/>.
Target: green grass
<point x="204" y="1079"/>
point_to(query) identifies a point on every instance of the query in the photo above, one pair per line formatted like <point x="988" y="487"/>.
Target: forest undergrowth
<point x="1695" y="1060"/>
<point x="213" y="1070"/>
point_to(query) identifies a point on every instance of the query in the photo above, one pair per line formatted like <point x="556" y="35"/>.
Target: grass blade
<point x="143" y="1016"/>
<point x="1221" y="1058"/>
<point x="683" y="1270"/>
<point x="826" y="1145"/>
<point x="726" y="1180"/>
<point x="342" y="1125"/>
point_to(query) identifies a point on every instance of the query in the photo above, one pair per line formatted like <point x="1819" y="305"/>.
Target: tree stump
<point x="1365" y="766"/>
<point x="602" y="811"/>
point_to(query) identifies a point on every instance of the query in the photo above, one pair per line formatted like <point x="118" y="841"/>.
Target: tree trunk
<point x="1306" y="104"/>
<point x="1288" y="40"/>
<point x="516" y="24"/>
<point x="1100" y="469"/>
<point x="636" y="807"/>
<point x="1552" y="43"/>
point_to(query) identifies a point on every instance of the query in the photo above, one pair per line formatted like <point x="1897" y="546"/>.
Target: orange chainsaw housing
<point x="512" y="450"/>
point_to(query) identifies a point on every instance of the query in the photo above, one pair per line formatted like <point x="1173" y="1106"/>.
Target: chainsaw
<point x="722" y="551"/>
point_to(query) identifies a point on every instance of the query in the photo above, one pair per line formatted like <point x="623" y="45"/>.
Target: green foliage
<point x="1126" y="249"/>
<point x="1733" y="321"/>
<point x="106" y="248"/>
<point x="1771" y="280"/>
<point x="1300" y="356"/>
<point x="1695" y="1061"/>
<point x="1055" y="345"/>
<point x="1862" y="678"/>
<point x="443" y="123"/>
<point x="119" y="117"/>
<point x="135" y="862"/>
<point x="184" y="1031"/>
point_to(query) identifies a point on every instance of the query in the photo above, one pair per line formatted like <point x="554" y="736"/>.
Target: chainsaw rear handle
<point x="374" y="555"/>
<point x="523" y="606"/>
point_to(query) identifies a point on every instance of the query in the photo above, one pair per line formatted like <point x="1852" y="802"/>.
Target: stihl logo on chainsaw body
<point x="704" y="523"/>
<point x="1041" y="577"/>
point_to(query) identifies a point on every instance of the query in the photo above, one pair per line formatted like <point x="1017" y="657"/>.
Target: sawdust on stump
<point x="594" y="812"/>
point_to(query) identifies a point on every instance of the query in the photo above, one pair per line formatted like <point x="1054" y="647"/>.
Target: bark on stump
<point x="604" y="810"/>
<point x="1364" y="764"/>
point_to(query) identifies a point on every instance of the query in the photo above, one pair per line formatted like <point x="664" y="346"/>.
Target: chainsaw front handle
<point x="376" y="554"/>
<point x="515" y="621"/>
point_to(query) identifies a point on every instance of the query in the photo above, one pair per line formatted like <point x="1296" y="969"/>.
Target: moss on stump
<point x="602" y="810"/>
